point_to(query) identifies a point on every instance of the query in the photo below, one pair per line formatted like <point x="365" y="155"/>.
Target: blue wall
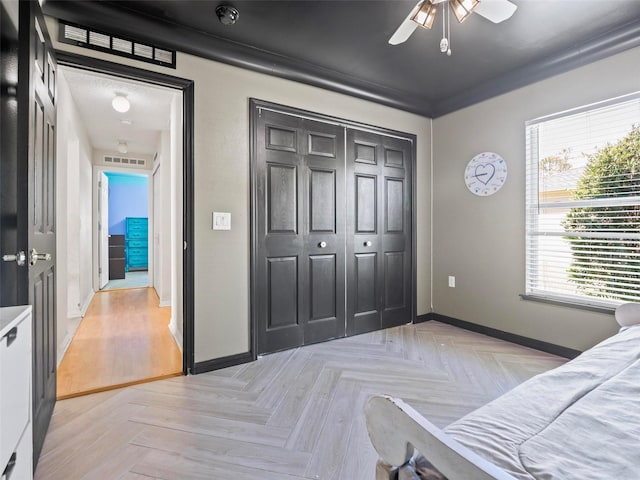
<point x="128" y="197"/>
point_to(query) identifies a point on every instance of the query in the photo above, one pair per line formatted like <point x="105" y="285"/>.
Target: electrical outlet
<point x="452" y="281"/>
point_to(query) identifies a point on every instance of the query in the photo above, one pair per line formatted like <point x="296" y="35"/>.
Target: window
<point x="583" y="204"/>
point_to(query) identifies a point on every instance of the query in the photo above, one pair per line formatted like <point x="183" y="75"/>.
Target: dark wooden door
<point x="36" y="214"/>
<point x="300" y="207"/>
<point x="11" y="275"/>
<point x="378" y="231"/>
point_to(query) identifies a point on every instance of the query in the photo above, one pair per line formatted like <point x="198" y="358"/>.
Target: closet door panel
<point x="366" y="204"/>
<point x="378" y="231"/>
<point x="397" y="234"/>
<point x="324" y="230"/>
<point x="299" y="269"/>
<point x="322" y="200"/>
<point x="282" y="199"/>
<point x="282" y="287"/>
<point x="322" y="287"/>
<point x="364" y="219"/>
<point x="332" y="230"/>
<point x="280" y="246"/>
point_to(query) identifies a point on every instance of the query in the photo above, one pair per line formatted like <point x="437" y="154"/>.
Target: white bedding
<point x="579" y="421"/>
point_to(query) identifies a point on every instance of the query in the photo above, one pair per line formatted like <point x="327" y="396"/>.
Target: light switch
<point x="221" y="221"/>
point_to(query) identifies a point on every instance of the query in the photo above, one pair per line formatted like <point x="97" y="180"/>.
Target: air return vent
<point x="124" y="161"/>
<point x="99" y="40"/>
<point x="76" y="34"/>
<point x="123" y="46"/>
<point x="117" y="45"/>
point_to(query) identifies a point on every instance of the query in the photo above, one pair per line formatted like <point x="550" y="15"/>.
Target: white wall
<point x="73" y="217"/>
<point x="221" y="147"/>
<point x="162" y="221"/>
<point x="482" y="240"/>
<point x="176" y="195"/>
<point x="85" y="218"/>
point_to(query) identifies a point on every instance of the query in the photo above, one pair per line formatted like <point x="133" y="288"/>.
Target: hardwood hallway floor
<point x="123" y="339"/>
<point x="291" y="415"/>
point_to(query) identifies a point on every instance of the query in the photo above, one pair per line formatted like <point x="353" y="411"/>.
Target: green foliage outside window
<point x="607" y="267"/>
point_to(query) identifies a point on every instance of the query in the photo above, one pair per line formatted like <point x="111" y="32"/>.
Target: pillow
<point x="628" y="314"/>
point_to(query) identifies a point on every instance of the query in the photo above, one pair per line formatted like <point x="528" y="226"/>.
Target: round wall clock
<point x="485" y="174"/>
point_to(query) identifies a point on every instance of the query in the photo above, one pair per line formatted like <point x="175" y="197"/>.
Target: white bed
<point x="578" y="421"/>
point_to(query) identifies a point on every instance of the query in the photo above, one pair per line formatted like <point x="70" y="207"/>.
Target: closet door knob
<point x="367" y="243"/>
<point x="34" y="256"/>
<point x="322" y="244"/>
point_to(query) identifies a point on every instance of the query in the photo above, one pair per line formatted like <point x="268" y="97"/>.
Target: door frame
<point x="254" y="106"/>
<point x="103" y="228"/>
<point x="188" y="90"/>
<point x="97" y="170"/>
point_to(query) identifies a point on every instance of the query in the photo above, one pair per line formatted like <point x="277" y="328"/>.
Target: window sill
<point x="567" y="303"/>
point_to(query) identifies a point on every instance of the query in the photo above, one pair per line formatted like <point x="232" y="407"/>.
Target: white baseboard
<point x="162" y="302"/>
<point x="74" y="323"/>
<point x="75" y="317"/>
<point x="176" y="335"/>
<point x="86" y="303"/>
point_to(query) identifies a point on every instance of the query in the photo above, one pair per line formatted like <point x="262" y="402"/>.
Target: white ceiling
<point x="150" y="111"/>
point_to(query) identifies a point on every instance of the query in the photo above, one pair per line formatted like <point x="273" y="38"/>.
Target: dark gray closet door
<point x="378" y="231"/>
<point x="300" y="231"/>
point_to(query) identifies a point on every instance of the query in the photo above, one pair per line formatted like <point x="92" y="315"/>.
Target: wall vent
<point x="99" y="40"/>
<point x="116" y="44"/>
<point x="124" y="161"/>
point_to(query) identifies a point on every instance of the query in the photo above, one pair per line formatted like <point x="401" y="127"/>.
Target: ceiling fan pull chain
<point x="449" y="30"/>
<point x="444" y="43"/>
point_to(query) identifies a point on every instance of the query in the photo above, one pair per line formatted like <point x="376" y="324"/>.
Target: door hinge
<point x="99" y="269"/>
<point x="99" y="183"/>
<point x="99" y="226"/>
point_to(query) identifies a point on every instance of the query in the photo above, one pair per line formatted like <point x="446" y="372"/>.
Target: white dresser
<point x="16" y="448"/>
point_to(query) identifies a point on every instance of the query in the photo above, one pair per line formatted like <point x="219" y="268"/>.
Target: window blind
<point x="583" y="204"/>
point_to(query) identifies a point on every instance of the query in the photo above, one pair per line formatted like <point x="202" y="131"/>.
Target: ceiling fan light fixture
<point x="463" y="8"/>
<point x="426" y="15"/>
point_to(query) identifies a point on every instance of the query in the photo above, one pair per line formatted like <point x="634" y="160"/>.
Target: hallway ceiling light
<point x="120" y="103"/>
<point x="122" y="146"/>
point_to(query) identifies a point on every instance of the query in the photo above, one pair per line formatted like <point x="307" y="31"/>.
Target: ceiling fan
<point x="424" y="15"/>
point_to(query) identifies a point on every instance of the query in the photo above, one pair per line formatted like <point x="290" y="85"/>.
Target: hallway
<point x="122" y="340"/>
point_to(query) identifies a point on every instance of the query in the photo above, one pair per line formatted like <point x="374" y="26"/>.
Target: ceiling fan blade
<point x="406" y="28"/>
<point x="495" y="10"/>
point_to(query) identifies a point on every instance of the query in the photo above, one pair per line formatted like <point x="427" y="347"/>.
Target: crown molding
<point x="120" y="20"/>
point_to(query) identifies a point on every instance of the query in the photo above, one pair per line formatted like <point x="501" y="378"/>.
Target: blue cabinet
<point x="137" y="243"/>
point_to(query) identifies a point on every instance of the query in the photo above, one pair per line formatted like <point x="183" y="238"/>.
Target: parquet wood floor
<point x="123" y="339"/>
<point x="291" y="415"/>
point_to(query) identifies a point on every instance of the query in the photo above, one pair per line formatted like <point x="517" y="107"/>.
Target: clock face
<point x="485" y="174"/>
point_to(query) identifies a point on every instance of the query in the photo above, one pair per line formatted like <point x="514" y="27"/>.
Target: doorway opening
<point x="119" y="218"/>
<point x="123" y="229"/>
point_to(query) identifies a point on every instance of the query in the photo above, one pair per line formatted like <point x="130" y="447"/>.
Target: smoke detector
<point x="227" y="14"/>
